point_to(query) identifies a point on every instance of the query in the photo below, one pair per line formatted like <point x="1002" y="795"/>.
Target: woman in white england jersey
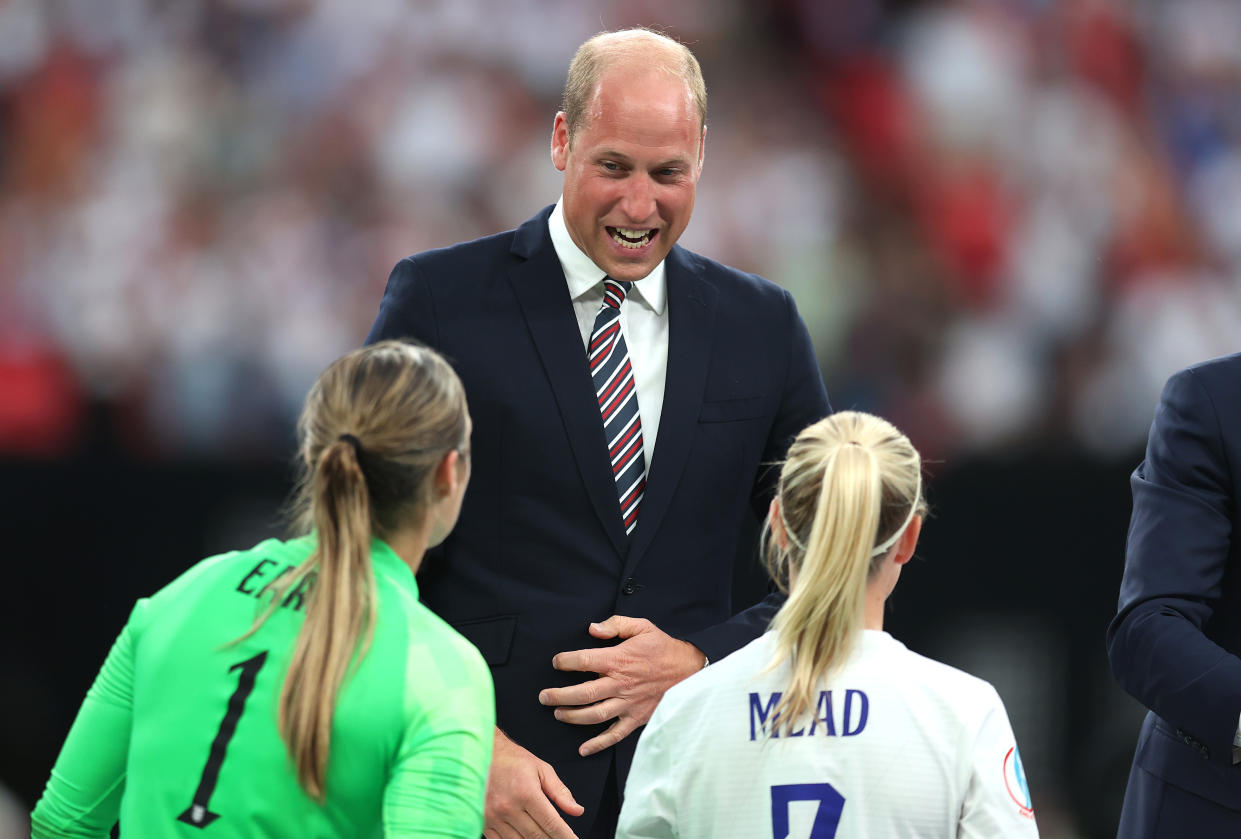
<point x="826" y="726"/>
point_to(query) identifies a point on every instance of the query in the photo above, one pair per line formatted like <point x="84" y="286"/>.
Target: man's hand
<point x="633" y="676"/>
<point x="521" y="790"/>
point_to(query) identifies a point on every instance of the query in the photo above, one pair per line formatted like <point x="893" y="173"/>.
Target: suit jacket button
<point x="629" y="587"/>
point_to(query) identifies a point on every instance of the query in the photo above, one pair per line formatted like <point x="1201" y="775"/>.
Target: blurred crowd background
<point x="1006" y="222"/>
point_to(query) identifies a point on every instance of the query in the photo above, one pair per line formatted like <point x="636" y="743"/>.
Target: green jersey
<point x="178" y="734"/>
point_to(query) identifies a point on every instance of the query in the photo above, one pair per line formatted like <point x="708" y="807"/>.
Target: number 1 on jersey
<point x="197" y="813"/>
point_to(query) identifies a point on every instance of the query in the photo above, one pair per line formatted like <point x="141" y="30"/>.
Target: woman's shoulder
<point x="240" y="570"/>
<point x="436" y="644"/>
<point x="928" y="675"/>
<point x="742" y="669"/>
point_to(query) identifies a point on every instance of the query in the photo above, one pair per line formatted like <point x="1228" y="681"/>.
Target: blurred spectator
<point x="977" y="203"/>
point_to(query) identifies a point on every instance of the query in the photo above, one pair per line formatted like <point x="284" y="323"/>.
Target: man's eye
<point x="610" y="166"/>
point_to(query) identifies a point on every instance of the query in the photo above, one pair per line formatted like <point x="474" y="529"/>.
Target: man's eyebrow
<point x="679" y="161"/>
<point x="612" y="154"/>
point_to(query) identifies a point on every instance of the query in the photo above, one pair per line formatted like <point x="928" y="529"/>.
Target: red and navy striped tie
<point x="618" y="401"/>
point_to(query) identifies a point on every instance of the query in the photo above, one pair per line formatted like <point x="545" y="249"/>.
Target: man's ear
<point x="702" y="151"/>
<point x="560" y="141"/>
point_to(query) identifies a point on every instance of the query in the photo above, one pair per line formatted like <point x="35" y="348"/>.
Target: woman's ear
<point x="775" y="521"/>
<point x="908" y="542"/>
<point x="447" y="475"/>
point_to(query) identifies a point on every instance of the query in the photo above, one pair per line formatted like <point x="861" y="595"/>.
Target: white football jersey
<point x="899" y="746"/>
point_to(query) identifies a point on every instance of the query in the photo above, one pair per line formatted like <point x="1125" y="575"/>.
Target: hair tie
<point x="353" y="441"/>
<point x="788" y="531"/>
<point x="913" y="508"/>
<point x="882" y="548"/>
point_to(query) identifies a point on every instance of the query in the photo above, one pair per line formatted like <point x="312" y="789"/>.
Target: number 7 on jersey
<point x="826" y="819"/>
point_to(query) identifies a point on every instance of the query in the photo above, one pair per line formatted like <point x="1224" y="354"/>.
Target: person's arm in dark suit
<point x="1179" y="547"/>
<point x="803" y="401"/>
<point x="407" y="310"/>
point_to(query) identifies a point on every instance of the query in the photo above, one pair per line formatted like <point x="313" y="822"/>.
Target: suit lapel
<point x="691" y="313"/>
<point x="538" y="284"/>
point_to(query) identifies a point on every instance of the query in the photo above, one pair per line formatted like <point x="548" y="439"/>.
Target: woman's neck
<point x="410" y="545"/>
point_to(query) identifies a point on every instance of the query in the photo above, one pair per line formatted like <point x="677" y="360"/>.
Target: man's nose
<point x="638" y="202"/>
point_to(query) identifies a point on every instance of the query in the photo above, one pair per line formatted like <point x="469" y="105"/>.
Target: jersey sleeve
<point x="649" y="810"/>
<point x="997" y="801"/>
<point x="83" y="795"/>
<point x="437" y="787"/>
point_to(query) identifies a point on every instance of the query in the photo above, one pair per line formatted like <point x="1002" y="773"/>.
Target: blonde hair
<point x="375" y="425"/>
<point x="639" y="44"/>
<point x="849" y="487"/>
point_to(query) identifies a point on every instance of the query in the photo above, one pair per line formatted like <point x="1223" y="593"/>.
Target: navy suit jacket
<point x="1175" y="640"/>
<point x="540" y="550"/>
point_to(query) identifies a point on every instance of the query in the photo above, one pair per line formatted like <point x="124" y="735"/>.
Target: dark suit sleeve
<point x="803" y="401"/>
<point x="407" y="309"/>
<point x="1177" y="554"/>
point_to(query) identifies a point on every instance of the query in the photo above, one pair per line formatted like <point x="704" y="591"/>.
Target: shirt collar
<point x="583" y="275"/>
<point x="384" y="559"/>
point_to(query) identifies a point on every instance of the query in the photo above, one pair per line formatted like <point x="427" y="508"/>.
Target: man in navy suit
<point x="589" y="584"/>
<point x="1175" y="641"/>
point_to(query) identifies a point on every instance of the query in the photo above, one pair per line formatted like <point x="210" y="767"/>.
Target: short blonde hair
<point x="608" y="48"/>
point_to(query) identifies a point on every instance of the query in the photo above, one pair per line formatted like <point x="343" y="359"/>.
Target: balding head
<point x="638" y="48"/>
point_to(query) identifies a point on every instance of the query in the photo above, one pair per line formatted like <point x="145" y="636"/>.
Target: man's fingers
<point x="600" y="659"/>
<point x="553" y="827"/>
<point x="619" y="626"/>
<point x="592" y="714"/>
<point x="603" y="629"/>
<point x="616" y="732"/>
<point x="539" y="819"/>
<point x="584" y="661"/>
<point x="508" y="830"/>
<point x="559" y="793"/>
<point x="524" y="826"/>
<point x="586" y="693"/>
<point x="521" y="790"/>
<point x="503" y="831"/>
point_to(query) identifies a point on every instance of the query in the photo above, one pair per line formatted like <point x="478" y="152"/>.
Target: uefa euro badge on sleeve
<point x="1015" y="782"/>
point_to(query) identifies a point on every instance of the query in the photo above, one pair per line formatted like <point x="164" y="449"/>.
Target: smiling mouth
<point x="629" y="238"/>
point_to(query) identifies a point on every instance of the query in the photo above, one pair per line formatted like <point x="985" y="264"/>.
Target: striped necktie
<point x="618" y="401"/>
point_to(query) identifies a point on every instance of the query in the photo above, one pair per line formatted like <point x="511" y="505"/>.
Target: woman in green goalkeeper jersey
<point x="299" y="688"/>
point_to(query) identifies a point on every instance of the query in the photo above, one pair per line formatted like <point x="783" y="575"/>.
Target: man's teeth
<point x="630" y="238"/>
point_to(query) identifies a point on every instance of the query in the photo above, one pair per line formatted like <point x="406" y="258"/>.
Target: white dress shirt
<point x="643" y="321"/>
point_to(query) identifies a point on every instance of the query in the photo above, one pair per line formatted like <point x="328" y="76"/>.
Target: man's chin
<point x="630" y="271"/>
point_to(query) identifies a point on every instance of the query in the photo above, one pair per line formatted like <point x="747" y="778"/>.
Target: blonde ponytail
<point x="850" y="482"/>
<point x="341" y="607"/>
